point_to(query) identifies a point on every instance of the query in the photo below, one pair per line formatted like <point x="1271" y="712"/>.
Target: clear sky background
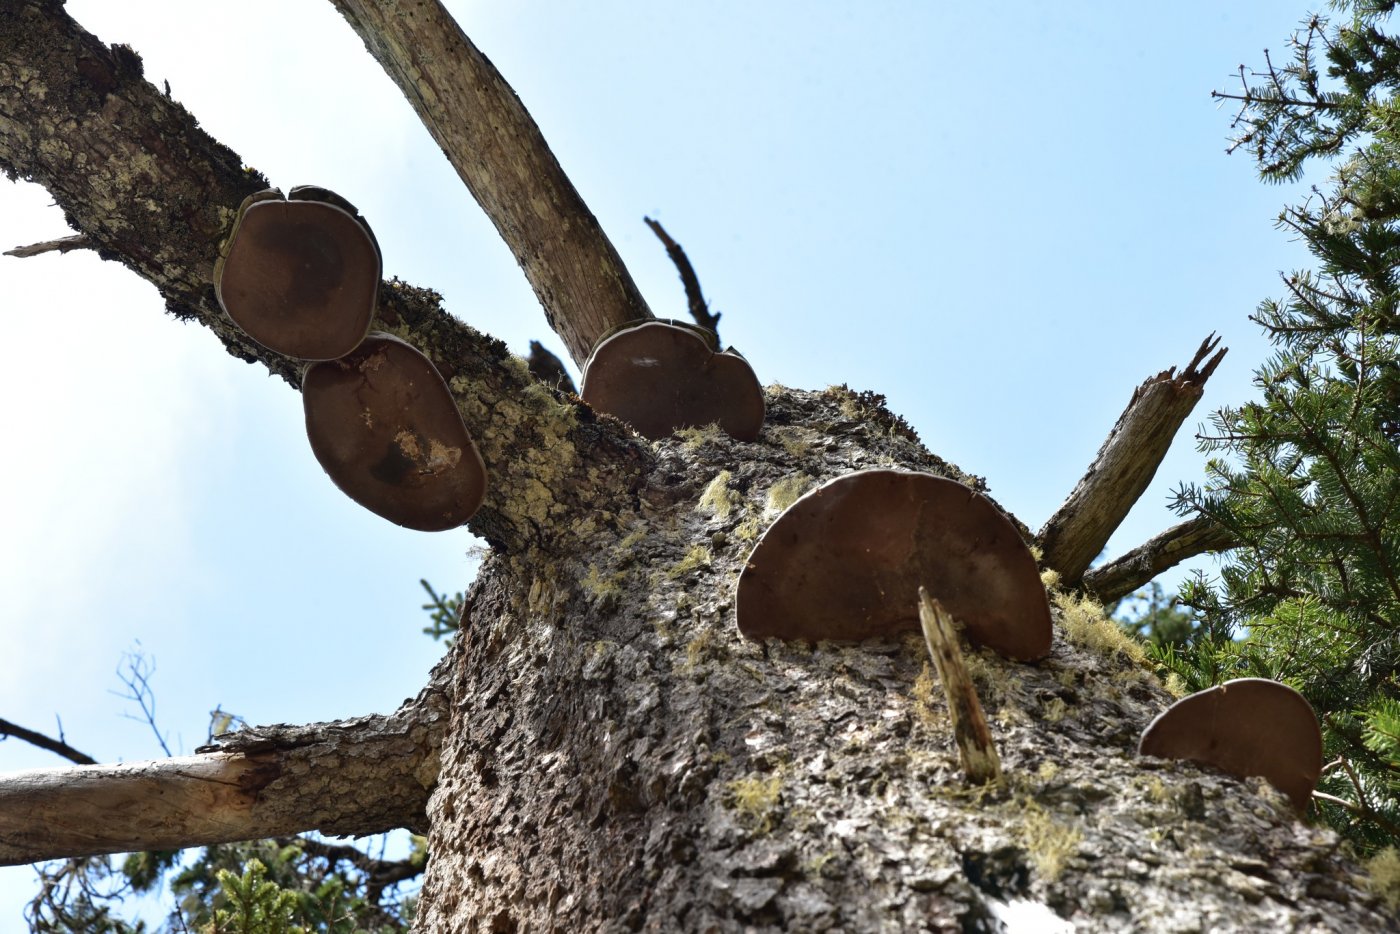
<point x="1004" y="221"/>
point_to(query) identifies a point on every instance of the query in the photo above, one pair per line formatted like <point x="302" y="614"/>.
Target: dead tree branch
<point x="61" y="245"/>
<point x="695" y="299"/>
<point x="978" y="752"/>
<point x="132" y="171"/>
<point x="499" y="152"/>
<point x="1131" y="570"/>
<point x="357" y="776"/>
<point x="1124" y="466"/>
<point x="8" y="729"/>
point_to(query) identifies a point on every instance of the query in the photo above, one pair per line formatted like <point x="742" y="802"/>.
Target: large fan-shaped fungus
<point x="301" y="277"/>
<point x="658" y="377"/>
<point x="1249" y="726"/>
<point x="846" y="562"/>
<point x="384" y="426"/>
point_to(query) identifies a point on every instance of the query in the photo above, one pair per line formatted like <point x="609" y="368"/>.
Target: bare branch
<point x="61" y="245"/>
<point x="1125" y="464"/>
<point x="350" y="777"/>
<point x="8" y="729"/>
<point x="499" y="152"/>
<point x="695" y="299"/>
<point x="978" y="752"/>
<point x="1131" y="570"/>
<point x="79" y="116"/>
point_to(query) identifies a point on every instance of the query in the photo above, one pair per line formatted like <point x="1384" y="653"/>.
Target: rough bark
<point x="499" y="152"/>
<point x="616" y="755"/>
<point x="621" y="758"/>
<point x="1124" y="466"/>
<point x="357" y="776"/>
<point x="135" y="174"/>
<point x="1129" y="571"/>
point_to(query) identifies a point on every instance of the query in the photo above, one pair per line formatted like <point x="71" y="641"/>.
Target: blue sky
<point x="1004" y="222"/>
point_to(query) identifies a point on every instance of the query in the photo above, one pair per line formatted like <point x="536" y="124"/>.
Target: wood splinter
<point x="976" y="749"/>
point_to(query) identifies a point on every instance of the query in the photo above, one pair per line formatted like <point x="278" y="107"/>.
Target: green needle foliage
<point x="1308" y="477"/>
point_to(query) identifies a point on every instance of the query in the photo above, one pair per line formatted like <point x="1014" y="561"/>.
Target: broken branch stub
<point x="300" y="276"/>
<point x="846" y="562"/>
<point x="383" y="425"/>
<point x="658" y="377"/>
<point x="1248" y="726"/>
<point x="980" y="761"/>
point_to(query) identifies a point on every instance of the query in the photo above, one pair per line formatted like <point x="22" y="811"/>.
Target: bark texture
<point x="135" y="174"/>
<point x="357" y="776"/>
<point x="621" y="759"/>
<point x="1125" y="465"/>
<point x="501" y="156"/>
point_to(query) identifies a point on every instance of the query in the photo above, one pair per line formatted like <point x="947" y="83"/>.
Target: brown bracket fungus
<point x="385" y="428"/>
<point x="846" y="562"/>
<point x="1249" y="726"/>
<point x="300" y="276"/>
<point x="658" y="377"/>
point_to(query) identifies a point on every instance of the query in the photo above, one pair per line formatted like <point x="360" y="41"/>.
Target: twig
<point x="699" y="308"/>
<point x="978" y="752"/>
<point x="1131" y="570"/>
<point x="138" y="685"/>
<point x="8" y="729"/>
<point x="549" y="369"/>
<point x="62" y="245"/>
<point x="1125" y="464"/>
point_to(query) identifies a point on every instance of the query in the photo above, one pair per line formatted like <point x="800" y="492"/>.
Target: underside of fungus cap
<point x="384" y="426"/>
<point x="846" y="562"/>
<point x="658" y="377"/>
<point x="301" y="277"/>
<point x="1246" y="727"/>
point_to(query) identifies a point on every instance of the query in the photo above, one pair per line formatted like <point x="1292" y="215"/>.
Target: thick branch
<point x="499" y="152"/>
<point x="135" y="174"/>
<point x="1129" y="571"/>
<point x="695" y="299"/>
<point x="8" y="729"/>
<point x="1125" y="464"/>
<point x="352" y="777"/>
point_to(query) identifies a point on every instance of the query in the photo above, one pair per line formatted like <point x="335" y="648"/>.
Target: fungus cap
<point x="846" y="562"/>
<point x="300" y="276"/>
<point x="1248" y="726"/>
<point x="385" y="428"/>
<point x="658" y="377"/>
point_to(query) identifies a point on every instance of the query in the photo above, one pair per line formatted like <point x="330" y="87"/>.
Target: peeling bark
<point x="357" y="776"/>
<point x="1124" y="466"/>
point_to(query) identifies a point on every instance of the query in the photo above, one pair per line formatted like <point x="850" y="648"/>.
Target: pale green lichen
<point x="1087" y="625"/>
<point x="748" y="530"/>
<point x="696" y="558"/>
<point x="755" y="800"/>
<point x="599" y="587"/>
<point x="925" y="693"/>
<point x="693" y="438"/>
<point x="719" y="499"/>
<point x="787" y="491"/>
<point x="1383" y="871"/>
<point x="1049" y="843"/>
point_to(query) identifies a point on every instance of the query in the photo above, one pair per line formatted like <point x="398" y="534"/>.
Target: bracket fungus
<point x="659" y="376"/>
<point x="846" y="561"/>
<point x="300" y="276"/>
<point x="1248" y="726"/>
<point x="385" y="428"/>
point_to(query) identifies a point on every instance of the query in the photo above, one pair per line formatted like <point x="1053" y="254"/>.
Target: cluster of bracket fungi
<point x="845" y="562"/>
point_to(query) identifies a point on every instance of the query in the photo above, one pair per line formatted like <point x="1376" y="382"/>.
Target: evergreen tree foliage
<point x="1308" y="476"/>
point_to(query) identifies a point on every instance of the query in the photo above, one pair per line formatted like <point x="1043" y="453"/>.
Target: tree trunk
<point x="617" y="755"/>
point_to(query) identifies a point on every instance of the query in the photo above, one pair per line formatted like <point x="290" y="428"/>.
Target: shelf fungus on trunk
<point x="846" y="562"/>
<point x="300" y="276"/>
<point x="1245" y="727"/>
<point x="385" y="428"/>
<point x="660" y="376"/>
